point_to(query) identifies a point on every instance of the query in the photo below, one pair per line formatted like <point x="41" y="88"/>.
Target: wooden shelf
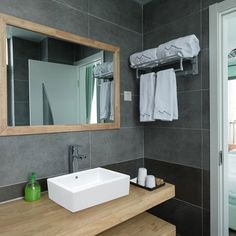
<point x="143" y="224"/>
<point x="45" y="217"/>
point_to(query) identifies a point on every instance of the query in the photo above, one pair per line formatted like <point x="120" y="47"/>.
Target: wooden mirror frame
<point x="6" y="130"/>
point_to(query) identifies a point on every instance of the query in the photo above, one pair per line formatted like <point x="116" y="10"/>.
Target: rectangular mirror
<point x="55" y="81"/>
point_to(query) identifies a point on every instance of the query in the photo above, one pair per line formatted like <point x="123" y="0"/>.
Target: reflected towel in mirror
<point x="107" y="100"/>
<point x="103" y="69"/>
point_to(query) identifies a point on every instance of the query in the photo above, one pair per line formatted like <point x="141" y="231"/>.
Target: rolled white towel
<point x="143" y="57"/>
<point x="185" y="47"/>
<point x="103" y="68"/>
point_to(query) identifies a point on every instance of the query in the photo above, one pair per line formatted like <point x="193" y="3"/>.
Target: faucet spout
<point x="74" y="154"/>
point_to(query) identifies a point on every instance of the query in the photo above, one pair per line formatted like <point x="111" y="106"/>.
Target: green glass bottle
<point x="32" y="189"/>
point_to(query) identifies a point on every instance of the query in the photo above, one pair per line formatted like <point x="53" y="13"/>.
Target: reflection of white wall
<point x="92" y="60"/>
<point x="231" y="32"/>
<point x="61" y="84"/>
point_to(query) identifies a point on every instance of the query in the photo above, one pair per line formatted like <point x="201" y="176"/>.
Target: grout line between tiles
<point x="126" y="160"/>
<point x="41" y="178"/>
<point x="177" y="128"/>
<point x="69" y="6"/>
<point x="112" y="23"/>
<point x="180" y="200"/>
<point x="170" y="162"/>
<point x="173" y="21"/>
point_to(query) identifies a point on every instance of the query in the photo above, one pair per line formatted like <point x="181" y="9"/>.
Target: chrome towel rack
<point x="108" y="75"/>
<point x="149" y="66"/>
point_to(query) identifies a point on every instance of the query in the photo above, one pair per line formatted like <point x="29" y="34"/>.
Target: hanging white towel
<point x="146" y="104"/>
<point x="112" y="100"/>
<point x="105" y="88"/>
<point x="166" y="103"/>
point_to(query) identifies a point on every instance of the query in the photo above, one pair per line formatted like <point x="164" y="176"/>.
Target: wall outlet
<point x="128" y="96"/>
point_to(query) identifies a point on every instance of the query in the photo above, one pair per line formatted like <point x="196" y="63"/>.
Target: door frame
<point x="218" y="119"/>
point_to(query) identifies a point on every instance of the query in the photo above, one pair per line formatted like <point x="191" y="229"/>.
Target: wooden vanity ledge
<point x="45" y="217"/>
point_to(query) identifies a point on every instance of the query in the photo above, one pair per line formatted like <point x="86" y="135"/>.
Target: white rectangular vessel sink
<point x="81" y="190"/>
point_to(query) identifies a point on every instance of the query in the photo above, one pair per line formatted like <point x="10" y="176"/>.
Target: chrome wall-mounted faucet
<point x="74" y="155"/>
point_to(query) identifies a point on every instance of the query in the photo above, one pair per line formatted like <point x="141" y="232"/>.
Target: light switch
<point x="128" y="96"/>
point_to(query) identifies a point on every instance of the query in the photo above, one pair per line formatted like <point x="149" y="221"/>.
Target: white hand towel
<point x="104" y="99"/>
<point x="142" y="57"/>
<point x="146" y="104"/>
<point x="166" y="103"/>
<point x="185" y="47"/>
<point x="112" y="104"/>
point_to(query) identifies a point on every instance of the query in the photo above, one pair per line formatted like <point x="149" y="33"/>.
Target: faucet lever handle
<point x="75" y="150"/>
<point x="82" y="157"/>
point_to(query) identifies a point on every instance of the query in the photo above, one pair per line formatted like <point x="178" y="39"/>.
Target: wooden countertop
<point x="45" y="217"/>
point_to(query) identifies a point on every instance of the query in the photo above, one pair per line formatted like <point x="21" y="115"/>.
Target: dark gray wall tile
<point x="60" y="51"/>
<point x="47" y="155"/>
<point x="206" y="190"/>
<point x="124" y="13"/>
<point x="205" y="28"/>
<point x="205" y="110"/>
<point x="189" y="105"/>
<point x="186" y="217"/>
<point x="128" y="41"/>
<point x="189" y="82"/>
<point x="116" y="146"/>
<point x="49" y="13"/>
<point x="206" y="223"/>
<point x="180" y="146"/>
<point x="205" y="69"/>
<point x="21" y="69"/>
<point x="128" y="78"/>
<point x="25" y="49"/>
<point x="21" y="113"/>
<point x="206" y="149"/>
<point x="179" y="28"/>
<point x="182" y="177"/>
<point x="21" y="92"/>
<point x="159" y="13"/>
<point x="130" y="112"/>
<point x="127" y="167"/>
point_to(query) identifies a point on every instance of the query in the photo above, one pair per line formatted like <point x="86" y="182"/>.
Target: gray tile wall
<point x="22" y="51"/>
<point x="115" y="22"/>
<point x="179" y="151"/>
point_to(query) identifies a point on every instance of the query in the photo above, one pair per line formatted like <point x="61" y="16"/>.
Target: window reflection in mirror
<point x="56" y="82"/>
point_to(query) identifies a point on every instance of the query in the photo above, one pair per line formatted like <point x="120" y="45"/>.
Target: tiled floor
<point x="232" y="233"/>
